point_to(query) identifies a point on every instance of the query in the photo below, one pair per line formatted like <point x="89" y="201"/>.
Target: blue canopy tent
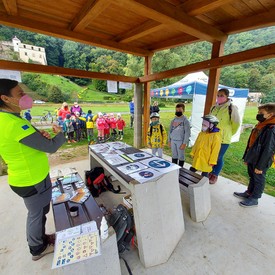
<point x="194" y="86"/>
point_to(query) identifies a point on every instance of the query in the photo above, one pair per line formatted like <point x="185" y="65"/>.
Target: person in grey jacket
<point x="179" y="135"/>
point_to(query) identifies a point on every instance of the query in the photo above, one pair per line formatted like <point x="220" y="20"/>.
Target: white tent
<point x="194" y="86"/>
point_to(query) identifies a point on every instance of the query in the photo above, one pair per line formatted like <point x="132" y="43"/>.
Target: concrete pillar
<point x="138" y="94"/>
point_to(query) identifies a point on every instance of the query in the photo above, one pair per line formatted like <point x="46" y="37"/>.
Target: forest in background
<point x="257" y="76"/>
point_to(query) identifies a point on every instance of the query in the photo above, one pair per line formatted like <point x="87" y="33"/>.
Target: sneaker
<point x="250" y="202"/>
<point x="49" y="249"/>
<point x="244" y="195"/>
<point x="213" y="179"/>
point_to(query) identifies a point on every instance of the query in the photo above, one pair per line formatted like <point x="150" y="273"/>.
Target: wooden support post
<point x="214" y="77"/>
<point x="138" y="115"/>
<point x="146" y="99"/>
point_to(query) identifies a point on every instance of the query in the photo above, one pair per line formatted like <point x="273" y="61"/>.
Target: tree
<point x="56" y="95"/>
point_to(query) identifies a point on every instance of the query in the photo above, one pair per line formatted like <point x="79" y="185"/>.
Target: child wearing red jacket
<point x="120" y="126"/>
<point x="107" y="126"/>
<point x="113" y="122"/>
<point x="100" y="124"/>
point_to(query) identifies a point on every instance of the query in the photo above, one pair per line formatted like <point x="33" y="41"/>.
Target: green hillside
<point x="39" y="86"/>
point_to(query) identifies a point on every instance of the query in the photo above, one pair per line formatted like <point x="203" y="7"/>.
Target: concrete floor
<point x="233" y="240"/>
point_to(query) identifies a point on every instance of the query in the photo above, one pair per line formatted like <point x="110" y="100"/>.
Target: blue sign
<point x="159" y="163"/>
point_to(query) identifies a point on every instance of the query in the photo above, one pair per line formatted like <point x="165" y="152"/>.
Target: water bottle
<point x="104" y="229"/>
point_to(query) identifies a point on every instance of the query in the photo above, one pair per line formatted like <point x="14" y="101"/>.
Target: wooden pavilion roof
<point x="139" y="27"/>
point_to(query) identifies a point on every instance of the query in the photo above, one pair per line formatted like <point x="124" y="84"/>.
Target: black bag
<point x="97" y="182"/>
<point x="123" y="223"/>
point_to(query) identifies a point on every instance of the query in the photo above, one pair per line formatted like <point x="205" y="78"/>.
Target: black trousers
<point x="256" y="182"/>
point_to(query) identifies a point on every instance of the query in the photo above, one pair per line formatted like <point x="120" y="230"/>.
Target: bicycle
<point x="46" y="117"/>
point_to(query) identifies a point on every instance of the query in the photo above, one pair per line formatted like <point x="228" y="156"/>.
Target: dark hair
<point x="89" y="111"/>
<point x="5" y="88"/>
<point x="181" y="105"/>
<point x="226" y="91"/>
<point x="268" y="107"/>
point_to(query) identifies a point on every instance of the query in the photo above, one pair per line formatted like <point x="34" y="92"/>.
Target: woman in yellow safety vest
<point x="24" y="149"/>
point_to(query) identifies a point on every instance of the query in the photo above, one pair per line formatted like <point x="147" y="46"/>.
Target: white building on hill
<point x="29" y="53"/>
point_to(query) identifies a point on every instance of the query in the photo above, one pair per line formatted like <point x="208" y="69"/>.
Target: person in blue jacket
<point x="132" y="112"/>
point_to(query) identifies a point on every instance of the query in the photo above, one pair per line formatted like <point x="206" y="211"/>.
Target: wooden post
<point x="146" y="99"/>
<point x="138" y="115"/>
<point x="214" y="77"/>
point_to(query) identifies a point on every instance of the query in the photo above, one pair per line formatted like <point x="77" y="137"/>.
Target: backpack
<point x="97" y="182"/>
<point x="123" y="223"/>
<point x="161" y="129"/>
<point x="229" y="110"/>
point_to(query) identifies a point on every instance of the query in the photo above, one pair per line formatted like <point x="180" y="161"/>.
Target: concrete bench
<point x="197" y="189"/>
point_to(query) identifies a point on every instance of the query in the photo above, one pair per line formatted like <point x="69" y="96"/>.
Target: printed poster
<point x="145" y="175"/>
<point x="131" y="167"/>
<point x="161" y="165"/>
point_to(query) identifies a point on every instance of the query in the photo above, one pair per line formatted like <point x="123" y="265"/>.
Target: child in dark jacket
<point x="259" y="155"/>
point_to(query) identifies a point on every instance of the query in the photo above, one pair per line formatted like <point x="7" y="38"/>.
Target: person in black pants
<point x="259" y="155"/>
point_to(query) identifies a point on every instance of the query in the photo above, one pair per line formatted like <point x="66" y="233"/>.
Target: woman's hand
<point x="45" y="134"/>
<point x="56" y="129"/>
<point x="182" y="147"/>
<point x="256" y="171"/>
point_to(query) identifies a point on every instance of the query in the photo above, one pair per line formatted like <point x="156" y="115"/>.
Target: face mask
<point x="204" y="128"/>
<point x="260" y="117"/>
<point x="154" y="123"/>
<point x="178" y="113"/>
<point x="221" y="100"/>
<point x="25" y="102"/>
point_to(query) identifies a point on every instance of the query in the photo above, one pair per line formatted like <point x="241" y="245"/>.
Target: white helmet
<point x="154" y="115"/>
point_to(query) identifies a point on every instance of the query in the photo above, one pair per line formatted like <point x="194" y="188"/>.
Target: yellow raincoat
<point x="206" y="150"/>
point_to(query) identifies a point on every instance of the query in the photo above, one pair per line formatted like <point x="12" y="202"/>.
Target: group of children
<point x="259" y="154"/>
<point x="108" y="126"/>
<point x="205" y="150"/>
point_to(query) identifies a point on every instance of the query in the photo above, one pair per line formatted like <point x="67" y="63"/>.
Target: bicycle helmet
<point x="154" y="115"/>
<point x="212" y="119"/>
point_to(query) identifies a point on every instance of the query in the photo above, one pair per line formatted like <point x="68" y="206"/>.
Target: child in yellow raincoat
<point x="156" y="136"/>
<point x="207" y="146"/>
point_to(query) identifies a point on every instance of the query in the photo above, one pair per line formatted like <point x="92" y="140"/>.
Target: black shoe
<point x="250" y="202"/>
<point x="243" y="195"/>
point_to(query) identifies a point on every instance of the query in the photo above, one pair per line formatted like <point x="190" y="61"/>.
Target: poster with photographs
<point x="132" y="168"/>
<point x="145" y="175"/>
<point x="161" y="165"/>
<point x="100" y="148"/>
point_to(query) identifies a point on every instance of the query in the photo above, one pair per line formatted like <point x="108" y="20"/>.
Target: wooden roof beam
<point x="144" y="29"/>
<point x="260" y="53"/>
<point x="91" y="10"/>
<point x="196" y="7"/>
<point x="173" y="42"/>
<point x="165" y="13"/>
<point x="35" y="26"/>
<point x="262" y="20"/>
<point x="10" y="6"/>
<point x="34" y="68"/>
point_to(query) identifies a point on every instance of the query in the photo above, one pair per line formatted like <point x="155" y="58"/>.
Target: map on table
<point x="132" y="167"/>
<point x="161" y="165"/>
<point x="145" y="175"/>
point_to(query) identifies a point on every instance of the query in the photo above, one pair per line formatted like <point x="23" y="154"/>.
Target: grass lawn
<point x="233" y="167"/>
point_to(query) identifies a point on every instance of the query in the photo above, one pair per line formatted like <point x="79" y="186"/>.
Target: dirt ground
<point x="68" y="155"/>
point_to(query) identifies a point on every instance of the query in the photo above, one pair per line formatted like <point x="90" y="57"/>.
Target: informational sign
<point x="145" y="175"/>
<point x="132" y="168"/>
<point x="76" y="244"/>
<point x="112" y="86"/>
<point x="139" y="155"/>
<point x="125" y="85"/>
<point x="160" y="165"/>
<point x="14" y="75"/>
